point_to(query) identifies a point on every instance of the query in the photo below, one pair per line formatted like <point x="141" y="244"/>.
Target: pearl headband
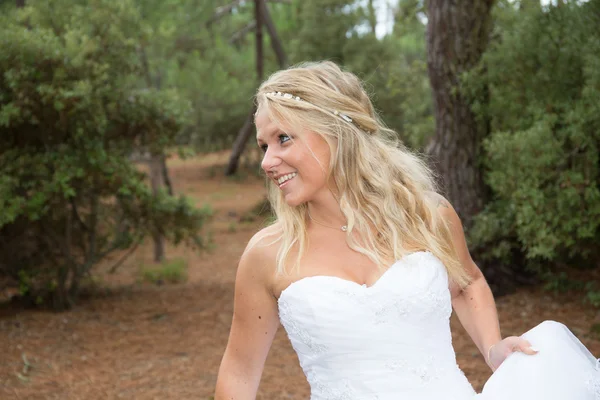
<point x="292" y="97"/>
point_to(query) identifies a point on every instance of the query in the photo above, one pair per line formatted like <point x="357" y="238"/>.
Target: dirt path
<point x="139" y="341"/>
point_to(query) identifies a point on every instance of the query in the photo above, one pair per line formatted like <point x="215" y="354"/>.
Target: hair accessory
<point x="291" y="96"/>
<point x="344" y="116"/>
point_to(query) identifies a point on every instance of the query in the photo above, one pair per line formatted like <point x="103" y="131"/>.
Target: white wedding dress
<point x="391" y="341"/>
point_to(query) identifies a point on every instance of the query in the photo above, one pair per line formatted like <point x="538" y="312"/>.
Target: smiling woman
<point x="365" y="264"/>
<point x="327" y="132"/>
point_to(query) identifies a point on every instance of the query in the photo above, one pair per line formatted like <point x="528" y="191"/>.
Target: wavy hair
<point x="384" y="190"/>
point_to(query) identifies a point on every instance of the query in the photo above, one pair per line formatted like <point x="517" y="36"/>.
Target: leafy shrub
<point x="72" y="110"/>
<point x="542" y="74"/>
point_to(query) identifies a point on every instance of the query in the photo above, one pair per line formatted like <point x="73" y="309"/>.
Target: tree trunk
<point x="240" y="143"/>
<point x="61" y="300"/>
<point x="259" y="39"/>
<point x="246" y="131"/>
<point x="156" y="181"/>
<point x="159" y="174"/>
<point x="275" y="41"/>
<point x="457" y="35"/>
<point x="165" y="175"/>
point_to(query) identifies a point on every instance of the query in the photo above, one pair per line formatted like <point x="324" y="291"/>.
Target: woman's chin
<point x="294" y="201"/>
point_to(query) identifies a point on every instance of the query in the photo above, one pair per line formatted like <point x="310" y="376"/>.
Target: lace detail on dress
<point x="381" y="310"/>
<point x="321" y="391"/>
<point x="387" y="309"/>
<point x="422" y="372"/>
<point x="342" y="391"/>
<point x="293" y="328"/>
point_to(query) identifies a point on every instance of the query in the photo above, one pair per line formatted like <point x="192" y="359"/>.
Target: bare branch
<point x="258" y="16"/>
<point x="220" y="12"/>
<point x="240" y="142"/>
<point x="77" y="216"/>
<point x="275" y="41"/>
<point x="129" y="252"/>
<point x="242" y="32"/>
<point x="165" y="175"/>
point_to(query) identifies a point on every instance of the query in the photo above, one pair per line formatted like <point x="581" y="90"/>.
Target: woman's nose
<point x="269" y="161"/>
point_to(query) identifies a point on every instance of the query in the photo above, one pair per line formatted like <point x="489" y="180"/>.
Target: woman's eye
<point x="284" y="138"/>
<point x="264" y="148"/>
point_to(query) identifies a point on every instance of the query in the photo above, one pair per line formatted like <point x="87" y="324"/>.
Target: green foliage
<point x="187" y="52"/>
<point x="325" y="28"/>
<point x="210" y="64"/>
<point x="401" y="90"/>
<point x="560" y="283"/>
<point x="594" y="298"/>
<point x="593" y="295"/>
<point x="261" y="210"/>
<point x="542" y="75"/>
<point x="394" y="68"/>
<point x="595" y="330"/>
<point x="72" y="110"/>
<point x="174" y="271"/>
<point x="85" y="83"/>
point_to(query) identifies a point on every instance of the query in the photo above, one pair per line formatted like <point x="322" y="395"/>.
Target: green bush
<point x="72" y="110"/>
<point x="542" y="75"/>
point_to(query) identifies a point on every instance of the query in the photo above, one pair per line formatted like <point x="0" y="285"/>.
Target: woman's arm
<point x="255" y="322"/>
<point x="474" y="305"/>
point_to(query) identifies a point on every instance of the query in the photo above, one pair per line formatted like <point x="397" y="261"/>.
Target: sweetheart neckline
<point x="351" y="282"/>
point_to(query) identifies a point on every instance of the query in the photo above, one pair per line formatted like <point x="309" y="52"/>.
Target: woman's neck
<point x="326" y="211"/>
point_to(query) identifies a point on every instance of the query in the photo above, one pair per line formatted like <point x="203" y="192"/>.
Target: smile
<point x="283" y="179"/>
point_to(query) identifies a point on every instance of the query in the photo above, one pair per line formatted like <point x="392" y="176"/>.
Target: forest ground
<point x="137" y="340"/>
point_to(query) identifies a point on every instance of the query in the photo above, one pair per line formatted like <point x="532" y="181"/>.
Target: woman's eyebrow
<point x="274" y="132"/>
<point x="259" y="137"/>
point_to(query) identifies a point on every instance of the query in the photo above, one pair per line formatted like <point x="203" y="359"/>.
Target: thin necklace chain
<point x="344" y="228"/>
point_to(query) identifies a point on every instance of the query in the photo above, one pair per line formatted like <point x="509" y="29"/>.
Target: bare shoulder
<point x="266" y="238"/>
<point x="438" y="199"/>
<point x="450" y="216"/>
<point x="444" y="207"/>
<point x="258" y="260"/>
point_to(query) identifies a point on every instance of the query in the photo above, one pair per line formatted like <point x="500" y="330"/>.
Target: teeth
<point x="285" y="178"/>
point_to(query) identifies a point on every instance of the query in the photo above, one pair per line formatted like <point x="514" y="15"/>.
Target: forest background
<point x="117" y="120"/>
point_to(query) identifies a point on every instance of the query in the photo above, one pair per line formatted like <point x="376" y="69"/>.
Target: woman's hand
<point x="498" y="352"/>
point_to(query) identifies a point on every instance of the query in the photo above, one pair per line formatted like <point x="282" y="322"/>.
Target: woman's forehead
<point x="262" y="119"/>
<point x="267" y="127"/>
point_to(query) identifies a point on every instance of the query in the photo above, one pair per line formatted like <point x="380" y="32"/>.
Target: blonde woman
<point x="365" y="263"/>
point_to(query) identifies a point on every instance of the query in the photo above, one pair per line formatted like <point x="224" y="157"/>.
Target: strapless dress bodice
<point x="387" y="341"/>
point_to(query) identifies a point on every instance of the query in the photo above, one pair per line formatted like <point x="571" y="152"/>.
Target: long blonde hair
<point x="381" y="186"/>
